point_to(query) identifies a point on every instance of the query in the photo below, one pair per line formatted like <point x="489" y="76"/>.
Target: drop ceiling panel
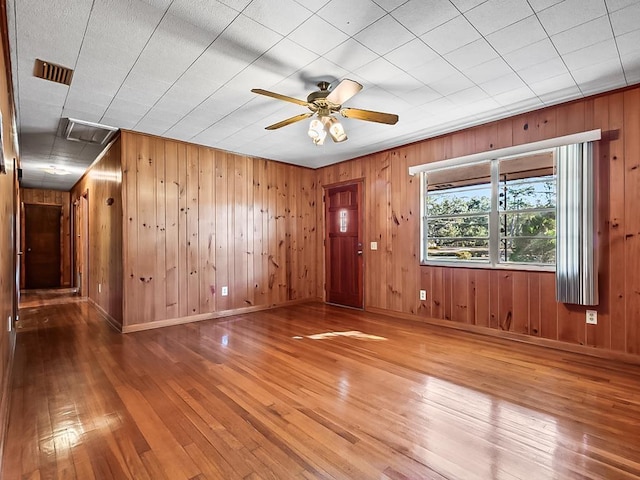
<point x="571" y="13"/>
<point x="518" y="35"/>
<point x="451" y="35"/>
<point x="351" y="17"/>
<point x="282" y="16"/>
<point x="420" y="17"/>
<point x="184" y="68"/>
<point x="318" y="35"/>
<point x="384" y="35"/>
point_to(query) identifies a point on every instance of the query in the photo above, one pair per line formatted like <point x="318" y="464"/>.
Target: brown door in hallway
<point x="42" y="245"/>
<point x="343" y="245"/>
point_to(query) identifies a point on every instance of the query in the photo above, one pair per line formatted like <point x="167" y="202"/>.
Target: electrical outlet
<point x="374" y="245"/>
<point x="225" y="291"/>
<point x="592" y="317"/>
<point x="423" y="294"/>
<point x="99" y="288"/>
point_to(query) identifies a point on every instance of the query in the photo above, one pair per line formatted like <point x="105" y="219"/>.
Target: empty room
<point x="367" y="239"/>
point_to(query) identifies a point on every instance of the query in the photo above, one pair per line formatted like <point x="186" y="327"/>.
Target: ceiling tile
<point x="420" y="16"/>
<point x="434" y="70"/>
<point x="464" y="5"/>
<point x="531" y="55"/>
<point x="539" y="5"/>
<point x="318" y="35"/>
<point x="384" y="35"/>
<point x="542" y="71"/>
<point x="570" y="13"/>
<point x="494" y="15"/>
<point x="613" y="5"/>
<point x="411" y="55"/>
<point x="451" y="84"/>
<point x="281" y="16"/>
<point x="516" y="36"/>
<point x="351" y="55"/>
<point x="552" y="85"/>
<point x="378" y="71"/>
<point x="583" y="35"/>
<point x="629" y="43"/>
<point x="609" y="71"/>
<point x="598" y="53"/>
<point x="313" y="5"/>
<point x="471" y="55"/>
<point x="489" y="70"/>
<point x="351" y="17"/>
<point x="451" y="35"/>
<point x="210" y="17"/>
<point x="503" y="84"/>
<point x="626" y="20"/>
<point x="390" y="5"/>
<point x="238" y="5"/>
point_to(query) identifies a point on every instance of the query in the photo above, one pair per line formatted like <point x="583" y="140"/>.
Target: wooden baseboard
<point x="5" y="404"/>
<point x="518" y="337"/>
<point x="209" y="316"/>
<point x="110" y="320"/>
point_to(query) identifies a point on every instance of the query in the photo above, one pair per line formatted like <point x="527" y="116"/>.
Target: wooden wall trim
<point x="110" y="320"/>
<point x="210" y="316"/>
<point x="518" y="337"/>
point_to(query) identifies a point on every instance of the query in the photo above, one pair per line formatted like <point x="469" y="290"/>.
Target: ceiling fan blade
<point x="279" y="96"/>
<point x="344" y="91"/>
<point x="370" y="116"/>
<point x="289" y="121"/>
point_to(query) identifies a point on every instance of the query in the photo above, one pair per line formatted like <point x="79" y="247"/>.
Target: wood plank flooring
<point x="262" y="396"/>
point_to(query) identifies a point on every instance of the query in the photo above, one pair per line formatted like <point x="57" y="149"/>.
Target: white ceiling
<point x="184" y="69"/>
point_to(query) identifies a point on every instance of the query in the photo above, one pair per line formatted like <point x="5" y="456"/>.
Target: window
<point x="500" y="211"/>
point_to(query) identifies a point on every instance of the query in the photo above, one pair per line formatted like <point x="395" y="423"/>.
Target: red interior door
<point x="343" y="246"/>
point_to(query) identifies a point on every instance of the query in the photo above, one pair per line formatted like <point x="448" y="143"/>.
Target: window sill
<point x="488" y="266"/>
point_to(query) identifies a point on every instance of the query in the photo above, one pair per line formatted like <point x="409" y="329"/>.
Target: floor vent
<point x="52" y="72"/>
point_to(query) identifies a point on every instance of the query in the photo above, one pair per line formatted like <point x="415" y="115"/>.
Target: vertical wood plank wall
<point x="103" y="181"/>
<point x="514" y="301"/>
<point x="197" y="219"/>
<point x="53" y="197"/>
<point x="8" y="192"/>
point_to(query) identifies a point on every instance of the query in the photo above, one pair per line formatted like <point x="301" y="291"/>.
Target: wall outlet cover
<point x="423" y="294"/>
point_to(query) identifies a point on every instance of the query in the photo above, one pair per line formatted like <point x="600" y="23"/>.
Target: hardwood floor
<point x="262" y="396"/>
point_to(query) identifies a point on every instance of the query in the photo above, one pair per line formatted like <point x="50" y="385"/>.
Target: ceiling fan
<point x="324" y="103"/>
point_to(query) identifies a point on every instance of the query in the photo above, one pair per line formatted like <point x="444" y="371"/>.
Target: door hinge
<point x="322" y="198"/>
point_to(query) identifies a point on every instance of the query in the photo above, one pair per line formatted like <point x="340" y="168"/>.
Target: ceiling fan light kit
<point x="324" y="103"/>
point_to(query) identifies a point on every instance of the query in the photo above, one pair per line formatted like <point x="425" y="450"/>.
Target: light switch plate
<point x="374" y="245"/>
<point x="225" y="291"/>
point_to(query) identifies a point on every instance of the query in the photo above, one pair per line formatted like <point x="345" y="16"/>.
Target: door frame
<point x="80" y="244"/>
<point x="325" y="239"/>
<point x="23" y="241"/>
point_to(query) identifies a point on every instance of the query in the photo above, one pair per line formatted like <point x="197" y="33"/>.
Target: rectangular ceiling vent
<point x="87" y="132"/>
<point x="52" y="72"/>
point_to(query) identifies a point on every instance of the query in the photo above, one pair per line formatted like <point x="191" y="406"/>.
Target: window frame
<point x="494" y="214"/>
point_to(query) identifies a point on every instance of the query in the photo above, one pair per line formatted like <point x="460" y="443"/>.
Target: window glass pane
<point x="526" y="203"/>
<point x="533" y="224"/>
<point x="452" y="249"/>
<point x="456" y="227"/>
<point x="541" y="250"/>
<point x="459" y="190"/>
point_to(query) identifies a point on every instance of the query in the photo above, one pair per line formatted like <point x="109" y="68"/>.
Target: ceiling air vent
<point x="87" y="132"/>
<point x="52" y="72"/>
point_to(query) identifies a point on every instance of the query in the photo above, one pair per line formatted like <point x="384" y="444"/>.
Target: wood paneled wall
<point x="197" y="219"/>
<point x="8" y="242"/>
<point x="513" y="301"/>
<point x="104" y="181"/>
<point x="53" y="197"/>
